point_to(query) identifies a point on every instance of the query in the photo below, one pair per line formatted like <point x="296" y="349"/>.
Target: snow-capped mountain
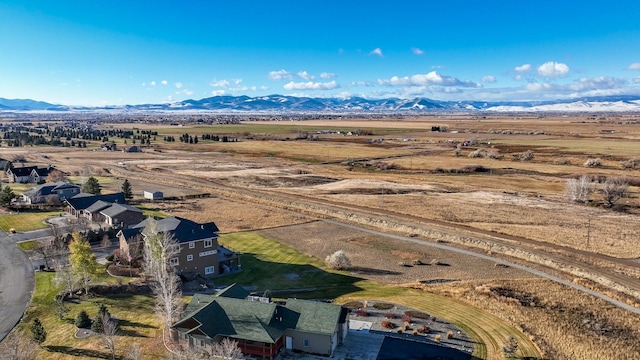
<point x="283" y="103"/>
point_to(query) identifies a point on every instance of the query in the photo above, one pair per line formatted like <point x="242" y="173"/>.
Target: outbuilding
<point x="153" y="195"/>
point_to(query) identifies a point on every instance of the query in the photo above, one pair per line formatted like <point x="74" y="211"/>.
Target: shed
<point x="153" y="194"/>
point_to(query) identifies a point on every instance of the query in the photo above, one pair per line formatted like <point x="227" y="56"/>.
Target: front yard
<point x="26" y="221"/>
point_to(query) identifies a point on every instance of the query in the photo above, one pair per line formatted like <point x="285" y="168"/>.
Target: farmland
<point x="468" y="186"/>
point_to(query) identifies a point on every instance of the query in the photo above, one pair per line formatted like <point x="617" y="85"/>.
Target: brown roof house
<point x="262" y="328"/>
<point x="199" y="251"/>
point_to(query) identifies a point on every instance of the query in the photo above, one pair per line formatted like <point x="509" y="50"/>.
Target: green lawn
<point x="270" y="265"/>
<point x="150" y="211"/>
<point x="26" y="221"/>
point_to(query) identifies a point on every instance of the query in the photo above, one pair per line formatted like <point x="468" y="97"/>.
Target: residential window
<point x="174" y="261"/>
<point x="176" y="248"/>
<point x="189" y="257"/>
<point x="209" y="270"/>
<point x="192" y="245"/>
<point x="201" y="342"/>
<point x="305" y="342"/>
<point x="208" y="243"/>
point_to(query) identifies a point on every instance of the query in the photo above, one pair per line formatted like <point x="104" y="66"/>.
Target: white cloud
<point x="178" y="85"/>
<point x="305" y="75"/>
<point x="217" y="92"/>
<point x="281" y="74"/>
<point x="153" y="83"/>
<point x="634" y="66"/>
<point x="552" y="68"/>
<point x="327" y="75"/>
<point x="220" y="83"/>
<point x="361" y="84"/>
<point x="598" y="83"/>
<point x="144" y="84"/>
<point x="236" y="81"/>
<point x="376" y="51"/>
<point x="432" y="78"/>
<point x="488" y="79"/>
<point x="311" y="85"/>
<point x="523" y="68"/>
<point x="438" y="67"/>
<point x="164" y="82"/>
<point x="518" y="77"/>
<point x="417" y="51"/>
<point x="637" y="80"/>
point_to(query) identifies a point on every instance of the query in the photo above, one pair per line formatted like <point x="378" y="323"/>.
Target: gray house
<point x="52" y="193"/>
<point x="263" y="328"/>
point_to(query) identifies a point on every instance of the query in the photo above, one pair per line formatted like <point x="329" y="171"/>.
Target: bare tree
<point x="579" y="189"/>
<point x="17" y="347"/>
<point x="338" y="260"/>
<point x="109" y="333"/>
<point x="134" y="352"/>
<point x="227" y="349"/>
<point x="65" y="277"/>
<point x="614" y="189"/>
<point x="159" y="250"/>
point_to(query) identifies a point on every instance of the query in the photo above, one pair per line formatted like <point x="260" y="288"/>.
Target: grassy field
<point x="272" y="266"/>
<point x="26" y="221"/>
<point x="138" y="325"/>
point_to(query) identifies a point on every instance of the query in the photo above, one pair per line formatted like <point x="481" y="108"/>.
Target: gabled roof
<point x="83" y="200"/>
<point x="234" y="291"/>
<point x="23" y="171"/>
<point x="129" y="233"/>
<point x="183" y="230"/>
<point x="48" y="188"/>
<point x="98" y="206"/>
<point x="116" y="209"/>
<point x="216" y="315"/>
<point x="42" y="171"/>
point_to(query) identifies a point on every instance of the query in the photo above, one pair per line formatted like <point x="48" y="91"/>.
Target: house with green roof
<point x="262" y="328"/>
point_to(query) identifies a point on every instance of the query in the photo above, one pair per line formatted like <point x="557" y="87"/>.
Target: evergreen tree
<point x="82" y="320"/>
<point x="126" y="189"/>
<point x="38" y="333"/>
<point x="6" y="195"/>
<point x="92" y="186"/>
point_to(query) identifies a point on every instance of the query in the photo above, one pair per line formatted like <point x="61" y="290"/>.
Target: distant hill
<point x="27" y="104"/>
<point x="283" y="103"/>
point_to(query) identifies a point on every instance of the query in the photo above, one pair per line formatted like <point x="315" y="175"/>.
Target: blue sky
<point x="134" y="52"/>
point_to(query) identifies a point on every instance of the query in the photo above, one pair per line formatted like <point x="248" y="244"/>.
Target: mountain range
<point x="282" y="103"/>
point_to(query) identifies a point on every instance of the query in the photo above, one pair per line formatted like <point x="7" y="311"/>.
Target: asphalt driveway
<point x="16" y="283"/>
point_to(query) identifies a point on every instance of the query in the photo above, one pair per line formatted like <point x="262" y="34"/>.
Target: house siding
<point x="199" y="263"/>
<point x="126" y="219"/>
<point x="318" y="343"/>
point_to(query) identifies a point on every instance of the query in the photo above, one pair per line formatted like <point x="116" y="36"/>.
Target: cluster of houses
<point x="260" y="327"/>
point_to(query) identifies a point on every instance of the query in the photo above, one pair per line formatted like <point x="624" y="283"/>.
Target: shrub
<point x="338" y="261"/>
<point x="353" y="304"/>
<point x="579" y="189"/>
<point x="562" y="161"/>
<point x="424" y="329"/>
<point x="437" y="338"/>
<point x="415" y="332"/>
<point x="526" y="156"/>
<point x="390" y="315"/>
<point x="593" y="162"/>
<point x="83" y="320"/>
<point x="406" y="318"/>
<point x="407" y="325"/>
<point x="630" y="164"/>
<point x="449" y="334"/>
<point x="417" y="314"/>
<point x="362" y="312"/>
<point x="400" y="330"/>
<point x="388" y="324"/>
<point x="417" y="262"/>
<point x="383" y="306"/>
<point x="478" y="153"/>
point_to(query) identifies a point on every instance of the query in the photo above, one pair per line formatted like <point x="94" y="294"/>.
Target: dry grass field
<point x="271" y="182"/>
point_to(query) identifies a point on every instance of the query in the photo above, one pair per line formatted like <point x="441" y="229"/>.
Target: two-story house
<point x="198" y="248"/>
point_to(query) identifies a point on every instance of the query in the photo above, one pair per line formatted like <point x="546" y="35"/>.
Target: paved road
<point x="16" y="283"/>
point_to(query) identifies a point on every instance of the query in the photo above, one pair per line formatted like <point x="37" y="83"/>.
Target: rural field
<point x="495" y="186"/>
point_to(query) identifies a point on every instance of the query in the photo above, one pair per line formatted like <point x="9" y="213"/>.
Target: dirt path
<point x="575" y="262"/>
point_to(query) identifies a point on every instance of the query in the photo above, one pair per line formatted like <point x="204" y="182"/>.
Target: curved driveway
<point x="16" y="283"/>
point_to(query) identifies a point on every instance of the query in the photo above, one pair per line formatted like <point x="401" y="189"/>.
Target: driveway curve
<point x="17" y="282"/>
